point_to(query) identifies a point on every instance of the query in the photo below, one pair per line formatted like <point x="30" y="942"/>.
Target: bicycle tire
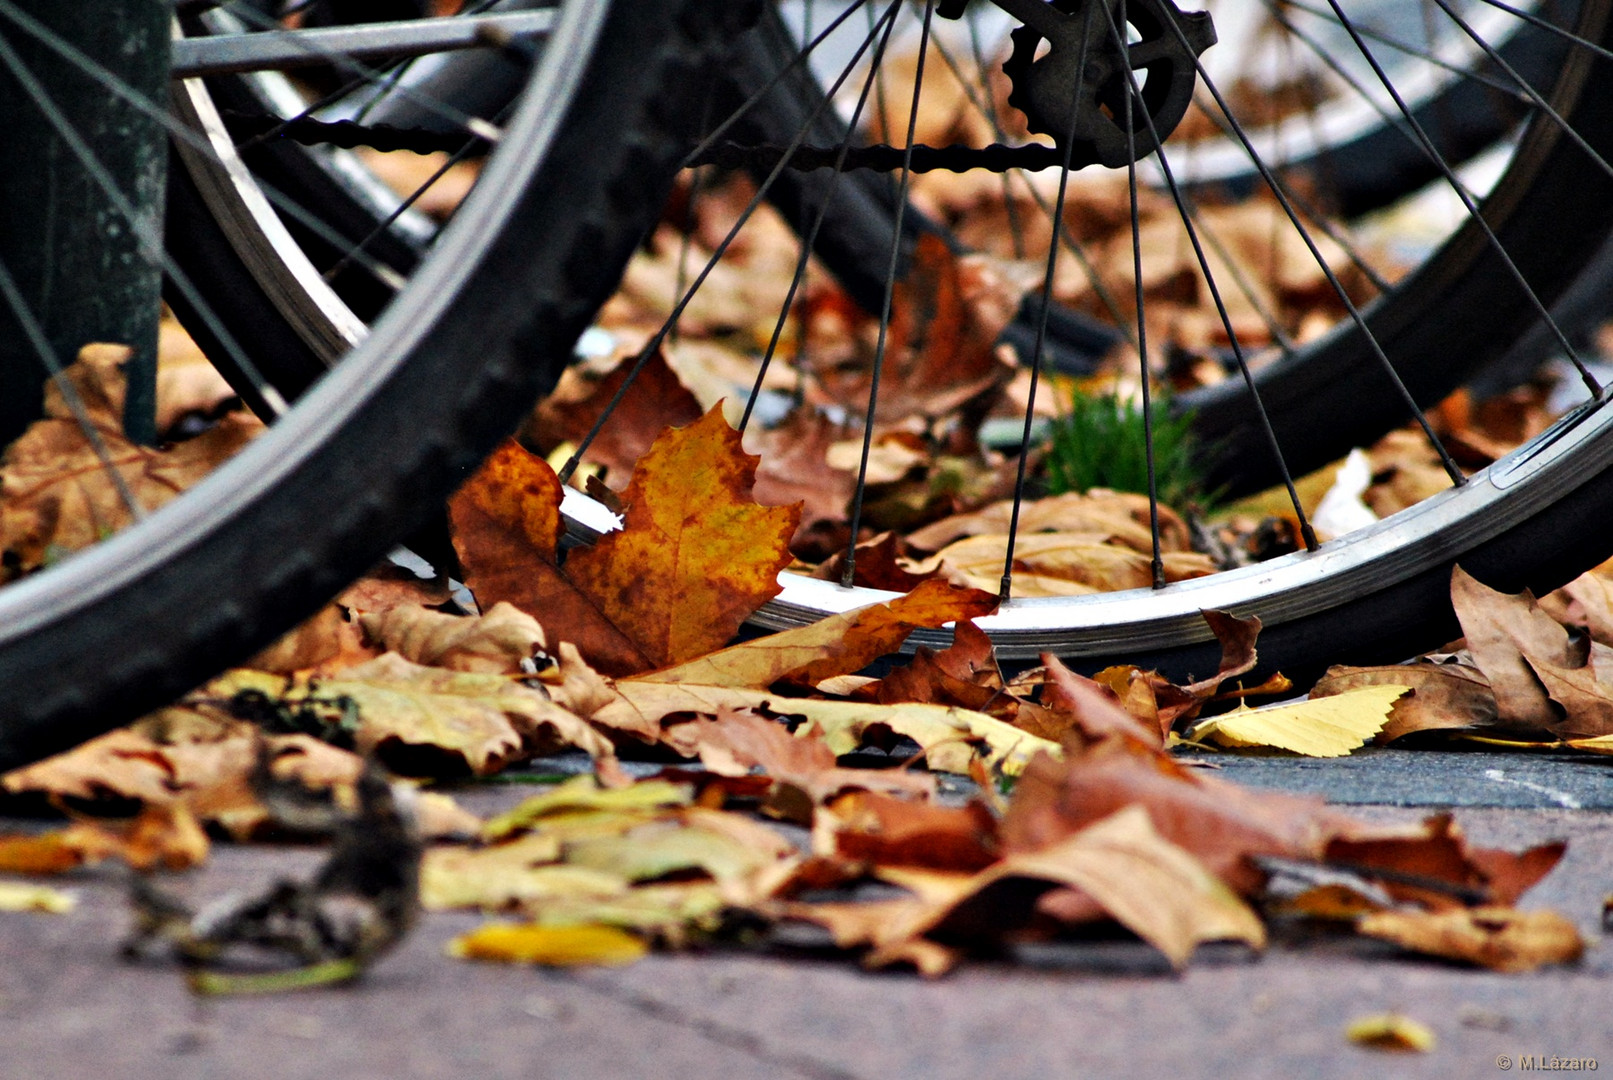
<point x="374" y="447"/>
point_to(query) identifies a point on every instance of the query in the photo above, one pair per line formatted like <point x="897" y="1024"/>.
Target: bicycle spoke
<point x="849" y="572"/>
<point x="1473" y="211"/>
<point x="1278" y="190"/>
<point x="1006" y="588"/>
<point x="35" y="332"/>
<point x="144" y="230"/>
<point x="659" y="338"/>
<point x="1306" y="531"/>
<point x="810" y="238"/>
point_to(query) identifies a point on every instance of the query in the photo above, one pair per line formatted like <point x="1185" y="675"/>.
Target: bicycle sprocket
<point x="1078" y="89"/>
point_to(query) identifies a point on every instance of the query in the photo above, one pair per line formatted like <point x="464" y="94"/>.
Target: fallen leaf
<point x="1391" y="1031"/>
<point x="876" y="829"/>
<point x="1218" y="822"/>
<point x="1509" y="636"/>
<point x="837" y="645"/>
<point x="485" y="721"/>
<point x="584" y="794"/>
<point x="1441" y="697"/>
<point x="695" y="556"/>
<point x="15" y="896"/>
<point x="1332" y="726"/>
<point x="1436" y="853"/>
<point x="660" y="848"/>
<point x="56" y="493"/>
<point x="506" y="529"/>
<point x="496" y="641"/>
<point x="551" y="946"/>
<point x="40" y="853"/>
<point x="508" y="875"/>
<point x="1498" y="938"/>
<point x="1086" y="710"/>
<point x="654" y="401"/>
<point x="1104" y="515"/>
<point x="733" y="742"/>
<point x="1127" y="871"/>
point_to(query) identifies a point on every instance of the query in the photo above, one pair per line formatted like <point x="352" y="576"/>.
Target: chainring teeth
<point x="1166" y="94"/>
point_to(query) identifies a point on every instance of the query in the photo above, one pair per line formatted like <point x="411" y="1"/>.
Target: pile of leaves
<point x="622" y="648"/>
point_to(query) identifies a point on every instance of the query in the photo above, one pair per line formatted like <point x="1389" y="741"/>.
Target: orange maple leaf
<point x="694" y="558"/>
<point x="696" y="555"/>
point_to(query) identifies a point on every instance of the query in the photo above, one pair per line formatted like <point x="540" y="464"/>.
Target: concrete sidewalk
<point x="1111" y="1008"/>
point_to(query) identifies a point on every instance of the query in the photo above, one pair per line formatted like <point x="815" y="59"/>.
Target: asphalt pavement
<point x="1104" y="1008"/>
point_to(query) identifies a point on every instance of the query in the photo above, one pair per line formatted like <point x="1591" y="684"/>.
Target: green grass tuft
<point x="1100" y="443"/>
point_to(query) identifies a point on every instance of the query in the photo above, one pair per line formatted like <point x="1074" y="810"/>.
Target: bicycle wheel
<point x="1380" y="593"/>
<point x="490" y="315"/>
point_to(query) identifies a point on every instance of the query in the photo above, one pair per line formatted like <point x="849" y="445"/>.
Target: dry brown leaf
<point x="1443" y="696"/>
<point x="656" y="400"/>
<point x="485" y="721"/>
<point x="837" y="645"/>
<point x="947" y="314"/>
<point x="1059" y="564"/>
<point x="1123" y="868"/>
<point x="802" y="768"/>
<point x="1499" y="938"/>
<point x="388" y="586"/>
<point x="1110" y="516"/>
<point x="1511" y="639"/>
<point x="882" y="831"/>
<point x="695" y="556"/>
<point x="1079" y="708"/>
<point x="191" y="755"/>
<point x="1436" y="852"/>
<point x="794" y="468"/>
<point x="56" y="494"/>
<point x="963" y="674"/>
<point x="1218" y="822"/>
<point x="326" y="640"/>
<point x="495" y="642"/>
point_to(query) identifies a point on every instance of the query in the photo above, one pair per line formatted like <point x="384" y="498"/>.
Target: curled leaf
<point x="495" y="642"/>
<point x="1391" y="1031"/>
<point x="552" y="946"/>
<point x="1499" y="938"/>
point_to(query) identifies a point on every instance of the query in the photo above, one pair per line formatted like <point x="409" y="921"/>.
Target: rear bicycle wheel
<point x="490" y="316"/>
<point x="1374" y="595"/>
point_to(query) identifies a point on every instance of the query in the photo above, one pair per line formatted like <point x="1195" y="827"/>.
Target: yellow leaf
<point x="1391" y="1031"/>
<point x="556" y="946"/>
<point x="583" y="793"/>
<point x="15" y="896"/>
<point x="506" y="875"/>
<point x="660" y="848"/>
<point x="1323" y="727"/>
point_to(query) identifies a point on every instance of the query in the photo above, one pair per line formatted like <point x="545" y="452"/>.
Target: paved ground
<point x="69" y="1008"/>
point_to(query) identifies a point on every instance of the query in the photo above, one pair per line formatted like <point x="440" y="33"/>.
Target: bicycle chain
<point x="350" y="135"/>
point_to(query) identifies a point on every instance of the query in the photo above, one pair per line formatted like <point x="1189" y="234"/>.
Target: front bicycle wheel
<point x="484" y="324"/>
